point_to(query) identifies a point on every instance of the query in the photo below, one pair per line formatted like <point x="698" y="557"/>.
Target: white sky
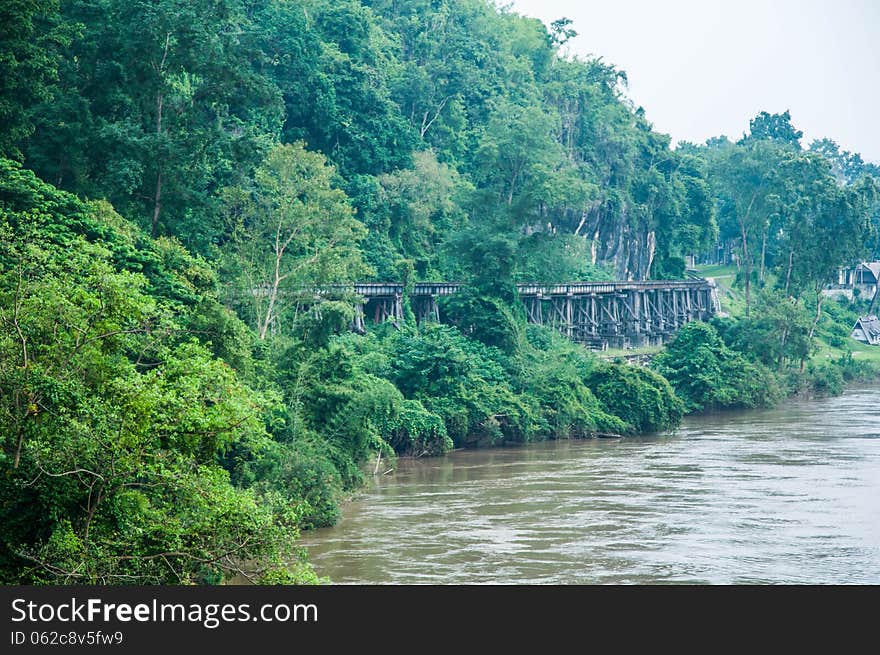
<point x="703" y="68"/>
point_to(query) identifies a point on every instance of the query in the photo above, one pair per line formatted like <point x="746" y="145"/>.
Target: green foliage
<point x="112" y="435"/>
<point x="556" y="374"/>
<point x="31" y="35"/>
<point x="424" y="208"/>
<point x="776" y="334"/>
<point x="484" y="318"/>
<point x="115" y="420"/>
<point x="292" y="232"/>
<point x="430" y="113"/>
<point x="856" y="370"/>
<point x="38" y="213"/>
<point x="273" y="149"/>
<point x="419" y="432"/>
<point x="640" y="397"/>
<point x="462" y="381"/>
<point x="547" y="257"/>
<point x="340" y="393"/>
<point x="774" y="127"/>
<point x="707" y="374"/>
<point x="826" y="378"/>
<point x="162" y="103"/>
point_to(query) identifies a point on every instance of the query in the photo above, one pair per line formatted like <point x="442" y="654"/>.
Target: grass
<point x="732" y="300"/>
<point x="859" y="351"/>
<point x="717" y="270"/>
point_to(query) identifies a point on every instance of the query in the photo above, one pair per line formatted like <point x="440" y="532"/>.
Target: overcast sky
<point x="703" y="68"/>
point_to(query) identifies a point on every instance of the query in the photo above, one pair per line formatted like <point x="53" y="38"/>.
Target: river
<point x="788" y="495"/>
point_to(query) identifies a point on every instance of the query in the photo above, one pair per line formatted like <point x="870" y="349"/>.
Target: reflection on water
<point x="790" y="495"/>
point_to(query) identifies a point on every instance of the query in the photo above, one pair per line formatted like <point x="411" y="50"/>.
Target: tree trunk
<point x="512" y="187"/>
<point x="267" y="319"/>
<point x="763" y="255"/>
<point x="747" y="261"/>
<point x="788" y="270"/>
<point x="819" y="298"/>
<point x="160" y="101"/>
<point x="18" y="446"/>
<point x="747" y="267"/>
<point x="157" y="200"/>
<point x="273" y="293"/>
<point x="157" y="206"/>
<point x="782" y="347"/>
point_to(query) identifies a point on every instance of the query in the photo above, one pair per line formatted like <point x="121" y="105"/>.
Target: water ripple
<point x="783" y="496"/>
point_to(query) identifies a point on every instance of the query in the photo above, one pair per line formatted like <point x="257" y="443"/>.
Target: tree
<point x="691" y="227"/>
<point x="172" y="105"/>
<point x="744" y="180"/>
<point x="518" y="153"/>
<point x="31" y="35"/>
<point x="826" y="225"/>
<point x="706" y="373"/>
<point x="113" y="417"/>
<point x="562" y="31"/>
<point x="846" y="166"/>
<point x="773" y="127"/>
<point x="358" y="125"/>
<point x="424" y="208"/>
<point x="292" y="232"/>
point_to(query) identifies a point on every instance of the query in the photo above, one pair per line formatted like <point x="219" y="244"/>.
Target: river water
<point x="789" y="495"/>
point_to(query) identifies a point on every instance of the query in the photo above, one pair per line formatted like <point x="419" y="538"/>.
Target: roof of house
<point x="874" y="267"/>
<point x="870" y="325"/>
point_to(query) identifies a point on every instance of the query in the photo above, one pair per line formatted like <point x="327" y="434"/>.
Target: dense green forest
<point x="176" y="405"/>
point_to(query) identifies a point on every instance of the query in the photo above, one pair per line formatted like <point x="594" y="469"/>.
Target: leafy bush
<point x="777" y="332"/>
<point x="826" y="378"/>
<point x="640" y="397"/>
<point x="462" y="381"/>
<point x="856" y="369"/>
<point x="554" y="373"/>
<point x="706" y="374"/>
<point x="113" y="428"/>
<point x="484" y="318"/>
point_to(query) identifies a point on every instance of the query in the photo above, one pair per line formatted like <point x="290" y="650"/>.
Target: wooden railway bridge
<point x="598" y="314"/>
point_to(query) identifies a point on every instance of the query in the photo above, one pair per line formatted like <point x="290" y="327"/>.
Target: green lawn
<point x="860" y="351"/>
<point x="716" y="270"/>
<point x="732" y="300"/>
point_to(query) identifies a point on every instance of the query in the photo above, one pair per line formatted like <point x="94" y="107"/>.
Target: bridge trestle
<point x="599" y="315"/>
<point x="618" y="314"/>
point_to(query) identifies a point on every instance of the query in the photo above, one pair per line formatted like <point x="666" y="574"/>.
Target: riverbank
<point x="784" y="495"/>
<point x="546" y="387"/>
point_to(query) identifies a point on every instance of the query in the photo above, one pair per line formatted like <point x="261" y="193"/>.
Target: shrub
<point x="638" y="396"/>
<point x="826" y="378"/>
<point x="705" y="373"/>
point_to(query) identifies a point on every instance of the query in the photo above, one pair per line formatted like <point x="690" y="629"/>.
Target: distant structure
<point x="600" y="315"/>
<point x="867" y="330"/>
<point x="861" y="280"/>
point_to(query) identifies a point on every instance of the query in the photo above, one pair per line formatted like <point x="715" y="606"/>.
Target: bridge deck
<point x="599" y="314"/>
<point x="381" y="289"/>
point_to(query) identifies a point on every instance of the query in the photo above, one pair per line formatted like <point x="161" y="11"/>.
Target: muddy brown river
<point x="789" y="495"/>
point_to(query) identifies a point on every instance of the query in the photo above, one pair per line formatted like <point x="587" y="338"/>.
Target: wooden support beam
<point x="599" y="314"/>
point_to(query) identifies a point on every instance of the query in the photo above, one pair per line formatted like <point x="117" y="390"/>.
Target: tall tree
<point x="773" y="127"/>
<point x="113" y="418"/>
<point x="744" y="179"/>
<point x="174" y="105"/>
<point x="291" y="232"/>
<point x="31" y="35"/>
